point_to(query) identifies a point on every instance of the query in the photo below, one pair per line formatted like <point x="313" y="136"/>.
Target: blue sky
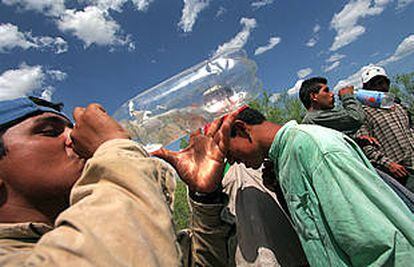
<point x="108" y="51"/>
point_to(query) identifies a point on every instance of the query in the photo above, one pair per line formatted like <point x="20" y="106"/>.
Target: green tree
<point x="403" y="87"/>
<point x="181" y="209"/>
<point x="281" y="109"/>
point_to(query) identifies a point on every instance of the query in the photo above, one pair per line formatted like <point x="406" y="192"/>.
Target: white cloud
<point x="241" y="38"/>
<point x="48" y="7"/>
<point x="346" y="21"/>
<point x="273" y="41"/>
<point x="107" y="4"/>
<point x="58" y="44"/>
<point x="261" y="3"/>
<point x="404" y="49"/>
<point x="316" y="28"/>
<point x="354" y="79"/>
<point x="314" y="39"/>
<point x="295" y="89"/>
<point x="335" y="57"/>
<point x="220" y="12"/>
<point x="11" y="37"/>
<point x="190" y="13"/>
<point x="93" y="26"/>
<point x="140" y="5"/>
<point x="47" y="93"/>
<point x="312" y="42"/>
<point x="334" y="60"/>
<point x="403" y="3"/>
<point x="26" y="80"/>
<point x="57" y="75"/>
<point x="304" y="72"/>
<point x="333" y="66"/>
<point x="274" y="97"/>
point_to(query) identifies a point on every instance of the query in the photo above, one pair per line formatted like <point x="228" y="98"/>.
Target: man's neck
<point x="18" y="214"/>
<point x="266" y="135"/>
<point x="14" y="209"/>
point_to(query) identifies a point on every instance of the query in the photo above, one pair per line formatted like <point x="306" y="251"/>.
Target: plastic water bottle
<point x="191" y="99"/>
<point x="375" y="99"/>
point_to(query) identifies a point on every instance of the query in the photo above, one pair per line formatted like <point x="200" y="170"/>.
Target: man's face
<point x="243" y="150"/>
<point x="324" y="98"/>
<point x="379" y="83"/>
<point x="39" y="161"/>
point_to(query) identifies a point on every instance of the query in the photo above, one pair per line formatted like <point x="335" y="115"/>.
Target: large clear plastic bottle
<point x="191" y="99"/>
<point x="375" y="99"/>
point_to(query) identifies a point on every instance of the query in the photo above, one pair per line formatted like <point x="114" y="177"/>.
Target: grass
<point x="181" y="209"/>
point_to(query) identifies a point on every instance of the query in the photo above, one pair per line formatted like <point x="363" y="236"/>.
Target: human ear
<point x="313" y="96"/>
<point x="242" y="129"/>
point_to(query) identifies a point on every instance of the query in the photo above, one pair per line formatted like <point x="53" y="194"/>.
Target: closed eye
<point x="50" y="126"/>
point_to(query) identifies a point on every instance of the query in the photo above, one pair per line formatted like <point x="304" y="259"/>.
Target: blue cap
<point x="16" y="110"/>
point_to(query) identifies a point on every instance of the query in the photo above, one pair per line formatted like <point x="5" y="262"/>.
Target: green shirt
<point x="346" y="119"/>
<point x="343" y="212"/>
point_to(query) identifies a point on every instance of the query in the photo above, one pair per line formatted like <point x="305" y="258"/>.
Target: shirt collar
<point x="277" y="141"/>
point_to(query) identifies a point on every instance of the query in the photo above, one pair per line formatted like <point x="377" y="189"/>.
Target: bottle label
<point x="370" y="98"/>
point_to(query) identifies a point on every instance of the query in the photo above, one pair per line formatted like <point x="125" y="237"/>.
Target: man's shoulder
<point x="314" y="135"/>
<point x="312" y="116"/>
<point x="308" y="117"/>
<point x="373" y="111"/>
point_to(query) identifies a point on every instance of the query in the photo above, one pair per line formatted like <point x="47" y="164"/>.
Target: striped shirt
<point x="396" y="138"/>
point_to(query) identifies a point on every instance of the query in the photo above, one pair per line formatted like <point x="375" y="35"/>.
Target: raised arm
<point x="118" y="214"/>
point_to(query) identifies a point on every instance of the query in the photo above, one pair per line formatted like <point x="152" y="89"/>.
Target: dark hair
<point x="38" y="101"/>
<point x="310" y="86"/>
<point x="249" y="116"/>
<point x="371" y="83"/>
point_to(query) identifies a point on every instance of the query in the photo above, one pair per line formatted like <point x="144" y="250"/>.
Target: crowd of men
<point x="330" y="194"/>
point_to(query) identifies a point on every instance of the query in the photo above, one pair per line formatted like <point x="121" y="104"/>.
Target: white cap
<point x="372" y="71"/>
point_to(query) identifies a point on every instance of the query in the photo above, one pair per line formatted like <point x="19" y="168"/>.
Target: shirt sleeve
<point x="209" y="234"/>
<point x="368" y="221"/>
<point x="118" y="214"/>
<point x="373" y="153"/>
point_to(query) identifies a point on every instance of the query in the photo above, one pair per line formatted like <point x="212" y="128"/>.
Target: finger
<point x="374" y="140"/>
<point x="78" y="113"/>
<point x="214" y="127"/>
<point x="400" y="172"/>
<point x="78" y="148"/>
<point x="167" y="155"/>
<point x="96" y="106"/>
<point x="223" y="138"/>
<point x="404" y="171"/>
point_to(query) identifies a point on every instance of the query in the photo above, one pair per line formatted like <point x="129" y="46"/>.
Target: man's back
<point x="264" y="233"/>
<point x="343" y="212"/>
<point x="391" y="127"/>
